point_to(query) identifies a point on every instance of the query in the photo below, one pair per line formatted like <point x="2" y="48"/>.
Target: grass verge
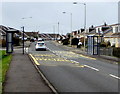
<point x="4" y="65"/>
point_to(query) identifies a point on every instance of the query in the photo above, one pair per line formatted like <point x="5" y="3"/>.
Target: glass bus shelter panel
<point x="9" y="42"/>
<point x="95" y="44"/>
<point x="90" y="45"/>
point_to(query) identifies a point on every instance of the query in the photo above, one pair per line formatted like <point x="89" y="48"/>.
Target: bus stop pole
<point x="23" y="39"/>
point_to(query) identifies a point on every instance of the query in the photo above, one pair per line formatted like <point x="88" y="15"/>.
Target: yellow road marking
<point x="72" y="54"/>
<point x="50" y="55"/>
<point x="88" y="57"/>
<point x="53" y="59"/>
<point x="34" y="60"/>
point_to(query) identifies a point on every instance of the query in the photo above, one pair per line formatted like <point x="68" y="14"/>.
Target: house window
<point x="119" y="28"/>
<point x="116" y="29"/>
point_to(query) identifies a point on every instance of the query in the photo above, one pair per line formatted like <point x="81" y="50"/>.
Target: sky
<point x="44" y="16"/>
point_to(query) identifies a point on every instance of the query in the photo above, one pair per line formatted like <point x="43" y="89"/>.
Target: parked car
<point x="40" y="46"/>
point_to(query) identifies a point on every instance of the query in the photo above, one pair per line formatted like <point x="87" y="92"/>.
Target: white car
<point x="40" y="39"/>
<point x="40" y="46"/>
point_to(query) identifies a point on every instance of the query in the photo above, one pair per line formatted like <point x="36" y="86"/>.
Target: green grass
<point x="4" y="65"/>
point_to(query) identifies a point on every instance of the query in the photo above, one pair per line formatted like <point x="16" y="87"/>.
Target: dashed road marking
<point x="114" y="76"/>
<point x="91" y="67"/>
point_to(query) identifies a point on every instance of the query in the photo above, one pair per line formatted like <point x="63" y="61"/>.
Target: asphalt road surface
<point x="71" y="72"/>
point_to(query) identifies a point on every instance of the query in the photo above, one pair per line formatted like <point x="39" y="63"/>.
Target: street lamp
<point x="84" y="20"/>
<point x="58" y="30"/>
<point x="23" y="33"/>
<point x="71" y="23"/>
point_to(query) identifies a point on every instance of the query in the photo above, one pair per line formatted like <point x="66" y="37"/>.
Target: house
<point x="32" y="34"/>
<point x="116" y="39"/>
<point x="74" y="34"/>
<point x="2" y="35"/>
<point x="113" y="35"/>
<point x="3" y="30"/>
<point x="109" y="32"/>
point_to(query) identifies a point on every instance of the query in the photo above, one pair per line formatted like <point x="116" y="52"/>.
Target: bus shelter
<point x="93" y="44"/>
<point x="9" y="40"/>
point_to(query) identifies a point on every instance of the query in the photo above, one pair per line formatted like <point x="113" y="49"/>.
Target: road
<point x="71" y="72"/>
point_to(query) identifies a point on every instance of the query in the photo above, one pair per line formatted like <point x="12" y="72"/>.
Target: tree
<point x="74" y="41"/>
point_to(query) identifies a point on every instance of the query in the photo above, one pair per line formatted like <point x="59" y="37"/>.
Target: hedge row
<point x="65" y="41"/>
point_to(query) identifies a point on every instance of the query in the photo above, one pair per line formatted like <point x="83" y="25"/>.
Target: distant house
<point x="109" y="33"/>
<point x="3" y="30"/>
<point x="116" y="38"/>
<point x="2" y="34"/>
<point x="32" y="34"/>
<point x="113" y="35"/>
<point x="74" y="34"/>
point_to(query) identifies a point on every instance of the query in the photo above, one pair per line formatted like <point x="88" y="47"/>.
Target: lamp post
<point x="70" y="24"/>
<point x="24" y="33"/>
<point x="84" y="20"/>
<point x="54" y="31"/>
<point x="58" y="29"/>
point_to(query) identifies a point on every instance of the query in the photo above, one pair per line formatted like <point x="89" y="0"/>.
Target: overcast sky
<point x="45" y="15"/>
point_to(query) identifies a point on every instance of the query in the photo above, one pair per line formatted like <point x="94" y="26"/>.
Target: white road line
<point x="75" y="61"/>
<point x="91" y="67"/>
<point x="114" y="76"/>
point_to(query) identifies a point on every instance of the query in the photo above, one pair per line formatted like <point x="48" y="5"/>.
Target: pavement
<point x="23" y="77"/>
<point x="79" y="51"/>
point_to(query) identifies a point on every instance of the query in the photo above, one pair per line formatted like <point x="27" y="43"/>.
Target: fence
<point x="106" y="51"/>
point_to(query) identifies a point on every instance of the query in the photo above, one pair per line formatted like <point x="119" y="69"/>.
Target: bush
<point x="74" y="41"/>
<point x="108" y="43"/>
<point x="16" y="41"/>
<point x="116" y="52"/>
<point x="105" y="44"/>
<point x="65" y="41"/>
<point x="3" y="43"/>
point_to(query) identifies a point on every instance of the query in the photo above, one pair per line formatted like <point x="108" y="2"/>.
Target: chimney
<point x="91" y="28"/>
<point x="105" y="24"/>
